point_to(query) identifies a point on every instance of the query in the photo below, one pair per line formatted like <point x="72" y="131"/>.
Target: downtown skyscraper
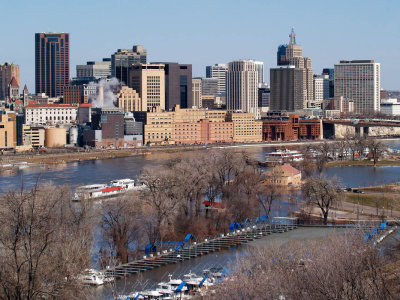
<point x="218" y="71"/>
<point x="292" y="82"/>
<point x="241" y="86"/>
<point x="124" y="58"/>
<point x="360" y="81"/>
<point x="51" y="63"/>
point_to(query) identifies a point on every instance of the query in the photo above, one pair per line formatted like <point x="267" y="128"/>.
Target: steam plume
<point x="105" y="96"/>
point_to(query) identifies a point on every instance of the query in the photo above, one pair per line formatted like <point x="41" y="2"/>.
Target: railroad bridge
<point x="360" y="127"/>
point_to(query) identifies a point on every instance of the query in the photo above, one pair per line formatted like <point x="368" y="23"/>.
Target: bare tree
<point x="120" y="226"/>
<point x="270" y="193"/>
<point x="323" y="193"/>
<point x="160" y="200"/>
<point x="351" y="144"/>
<point x="336" y="267"/>
<point x="341" y="148"/>
<point x="44" y="242"/>
<point x="376" y="149"/>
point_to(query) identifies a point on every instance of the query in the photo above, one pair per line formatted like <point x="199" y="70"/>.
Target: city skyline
<point x="328" y="32"/>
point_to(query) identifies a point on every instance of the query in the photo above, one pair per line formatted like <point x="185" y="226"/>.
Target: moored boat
<point x="282" y="156"/>
<point x="98" y="191"/>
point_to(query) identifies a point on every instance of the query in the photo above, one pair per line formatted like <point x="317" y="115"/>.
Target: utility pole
<point x="205" y="127"/>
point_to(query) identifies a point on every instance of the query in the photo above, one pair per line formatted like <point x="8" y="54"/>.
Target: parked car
<point x="358" y="191"/>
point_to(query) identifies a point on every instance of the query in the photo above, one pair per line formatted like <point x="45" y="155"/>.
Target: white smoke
<point x="106" y="93"/>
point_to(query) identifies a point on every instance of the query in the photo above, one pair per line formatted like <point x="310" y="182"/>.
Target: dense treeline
<point x="172" y="205"/>
<point x="340" y="266"/>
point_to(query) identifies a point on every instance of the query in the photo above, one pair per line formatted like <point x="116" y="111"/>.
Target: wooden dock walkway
<point x="195" y="249"/>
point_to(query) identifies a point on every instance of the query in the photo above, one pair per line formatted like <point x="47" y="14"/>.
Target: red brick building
<point x="292" y="129"/>
<point x="188" y="133"/>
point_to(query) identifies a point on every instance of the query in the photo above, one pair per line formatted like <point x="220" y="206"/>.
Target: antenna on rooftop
<point x="292" y="36"/>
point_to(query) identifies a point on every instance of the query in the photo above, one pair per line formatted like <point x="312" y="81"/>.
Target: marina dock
<point x="224" y="241"/>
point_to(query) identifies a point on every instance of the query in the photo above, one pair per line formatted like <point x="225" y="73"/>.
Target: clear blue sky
<point x="208" y="31"/>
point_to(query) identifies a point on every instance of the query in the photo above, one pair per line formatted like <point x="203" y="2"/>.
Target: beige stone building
<point x="158" y="129"/>
<point x="8" y="129"/>
<point x="129" y="100"/>
<point x="197" y="114"/>
<point x="245" y="128"/>
<point x="283" y="175"/>
<point x="149" y="81"/>
<point x="186" y="126"/>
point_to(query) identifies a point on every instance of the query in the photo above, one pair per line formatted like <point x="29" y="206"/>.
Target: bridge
<point x="360" y="127"/>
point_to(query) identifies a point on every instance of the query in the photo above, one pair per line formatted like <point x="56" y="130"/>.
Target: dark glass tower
<point x="51" y="63"/>
<point x="178" y="85"/>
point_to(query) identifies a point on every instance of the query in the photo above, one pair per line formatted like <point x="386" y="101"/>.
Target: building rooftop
<point x="13" y="82"/>
<point x="290" y="169"/>
<point x="50" y="105"/>
<point x="356" y="61"/>
<point x="85" y="105"/>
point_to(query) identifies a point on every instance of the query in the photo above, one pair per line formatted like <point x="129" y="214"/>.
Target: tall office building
<point x="331" y="73"/>
<point x="287" y="92"/>
<point x="209" y="86"/>
<point x="292" y="55"/>
<point x="218" y="71"/>
<point x="196" y="92"/>
<point x="360" y="81"/>
<point x="241" y="86"/>
<point x="264" y="96"/>
<point x="178" y="84"/>
<point x="149" y="81"/>
<point x="260" y="72"/>
<point x="96" y="69"/>
<point x="321" y="88"/>
<point x="7" y="73"/>
<point x="51" y="63"/>
<point x="124" y="58"/>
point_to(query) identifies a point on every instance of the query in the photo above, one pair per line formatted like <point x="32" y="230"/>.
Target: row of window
<point x="54" y="118"/>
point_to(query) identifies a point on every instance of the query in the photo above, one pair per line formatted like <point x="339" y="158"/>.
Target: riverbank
<point x="64" y="155"/>
<point x="376" y="202"/>
<point x="51" y="158"/>
<point x="394" y="161"/>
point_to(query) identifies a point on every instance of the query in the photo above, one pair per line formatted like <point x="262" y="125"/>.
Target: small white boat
<point x="151" y="295"/>
<point x="93" y="277"/>
<point x="175" y="283"/>
<point x="165" y="289"/>
<point x="90" y="279"/>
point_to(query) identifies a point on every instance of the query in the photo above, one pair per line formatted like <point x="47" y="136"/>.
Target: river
<point x="103" y="171"/>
